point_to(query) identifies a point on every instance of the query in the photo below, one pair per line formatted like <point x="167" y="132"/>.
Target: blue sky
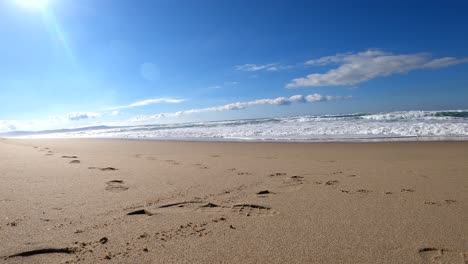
<point x="71" y="63"/>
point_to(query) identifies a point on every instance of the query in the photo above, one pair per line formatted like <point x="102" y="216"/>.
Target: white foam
<point x="409" y="124"/>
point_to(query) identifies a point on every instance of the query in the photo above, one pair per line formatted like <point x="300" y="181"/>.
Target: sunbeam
<point x="57" y="32"/>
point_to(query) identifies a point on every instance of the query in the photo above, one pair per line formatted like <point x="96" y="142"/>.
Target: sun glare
<point x="37" y="4"/>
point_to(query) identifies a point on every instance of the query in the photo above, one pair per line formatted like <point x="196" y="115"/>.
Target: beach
<point x="137" y="201"/>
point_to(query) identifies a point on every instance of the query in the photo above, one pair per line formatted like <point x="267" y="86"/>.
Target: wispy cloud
<point x="266" y="67"/>
<point x="149" y="102"/>
<point x="242" y="105"/>
<point x="6" y="126"/>
<point x="359" y="67"/>
<point x="80" y="116"/>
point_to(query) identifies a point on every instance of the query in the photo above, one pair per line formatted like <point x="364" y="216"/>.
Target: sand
<point x="125" y="201"/>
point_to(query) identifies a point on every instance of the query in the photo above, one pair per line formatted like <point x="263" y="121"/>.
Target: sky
<point x="68" y="63"/>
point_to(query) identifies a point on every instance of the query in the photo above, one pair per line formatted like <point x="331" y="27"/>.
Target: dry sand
<point x="68" y="201"/>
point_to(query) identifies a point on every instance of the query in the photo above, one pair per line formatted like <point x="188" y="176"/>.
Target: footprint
<point x="278" y="174"/>
<point x="430" y="255"/>
<point x="195" y="205"/>
<point x="201" y="166"/>
<point x="116" y="186"/>
<point x="179" y="204"/>
<point x="103" y="169"/>
<point x="140" y="212"/>
<point x="264" y="192"/>
<point x="69" y="157"/>
<point x="447" y="202"/>
<point x="211" y="208"/>
<point x="360" y="191"/>
<point x="363" y="191"/>
<point x="253" y="210"/>
<point x="331" y="182"/>
<point x="450" y="201"/>
<point x="44" y="251"/>
<point x="407" y="190"/>
<point x="432" y="203"/>
<point x="292" y="183"/>
<point x="75" y="161"/>
<point x="297" y="177"/>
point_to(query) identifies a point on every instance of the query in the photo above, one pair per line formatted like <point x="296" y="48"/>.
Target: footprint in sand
<point x="43" y="251"/>
<point x="331" y="182"/>
<point x="145" y="157"/>
<point x="431" y="255"/>
<point x="116" y="186"/>
<point x="407" y="190"/>
<point x="278" y="174"/>
<point x="194" y="205"/>
<point x="141" y="212"/>
<point x="253" y="210"/>
<point x="69" y="157"/>
<point x="264" y="193"/>
<point x="450" y="201"/>
<point x="201" y="166"/>
<point x="447" y="202"/>
<point x="103" y="169"/>
<point x="289" y="184"/>
<point x="208" y="207"/>
<point x="75" y="161"/>
<point x="363" y="191"/>
<point x="360" y="191"/>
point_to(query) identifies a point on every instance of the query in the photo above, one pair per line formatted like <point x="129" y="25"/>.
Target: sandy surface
<point x="66" y="201"/>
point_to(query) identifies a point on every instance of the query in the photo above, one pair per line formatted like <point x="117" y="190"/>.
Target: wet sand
<point x="125" y="201"/>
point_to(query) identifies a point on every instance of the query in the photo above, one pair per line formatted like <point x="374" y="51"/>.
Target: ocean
<point x="388" y="126"/>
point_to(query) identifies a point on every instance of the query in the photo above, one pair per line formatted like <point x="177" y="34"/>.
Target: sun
<point x="35" y="4"/>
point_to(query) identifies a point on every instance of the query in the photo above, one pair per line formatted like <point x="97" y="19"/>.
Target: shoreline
<point x="218" y="140"/>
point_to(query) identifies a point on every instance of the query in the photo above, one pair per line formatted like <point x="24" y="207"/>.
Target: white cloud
<point x="242" y="105"/>
<point x="150" y="101"/>
<point x="115" y="113"/>
<point x="80" y="115"/>
<point x="6" y="126"/>
<point x="359" y="67"/>
<point x="266" y="67"/>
